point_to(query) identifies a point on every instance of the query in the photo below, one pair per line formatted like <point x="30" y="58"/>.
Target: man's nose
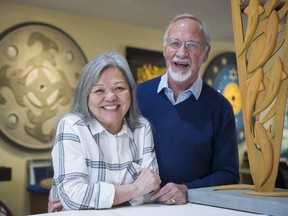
<point x="182" y="51"/>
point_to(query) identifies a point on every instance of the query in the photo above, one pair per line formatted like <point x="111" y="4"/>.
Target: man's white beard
<point x="179" y="77"/>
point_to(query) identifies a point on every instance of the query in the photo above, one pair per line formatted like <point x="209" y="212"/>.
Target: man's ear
<point x="164" y="53"/>
<point x="206" y="54"/>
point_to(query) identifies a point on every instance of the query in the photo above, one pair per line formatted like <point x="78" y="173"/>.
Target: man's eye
<point x="192" y="46"/>
<point x="175" y="44"/>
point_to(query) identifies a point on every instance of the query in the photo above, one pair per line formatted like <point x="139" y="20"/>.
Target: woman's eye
<point x="99" y="91"/>
<point x="119" y="88"/>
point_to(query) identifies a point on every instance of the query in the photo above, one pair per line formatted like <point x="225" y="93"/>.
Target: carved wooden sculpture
<point x="262" y="60"/>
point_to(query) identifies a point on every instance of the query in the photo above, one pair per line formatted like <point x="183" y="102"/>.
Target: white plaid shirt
<point x="88" y="161"/>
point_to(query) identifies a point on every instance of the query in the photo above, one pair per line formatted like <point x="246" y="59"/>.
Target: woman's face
<point x="110" y="99"/>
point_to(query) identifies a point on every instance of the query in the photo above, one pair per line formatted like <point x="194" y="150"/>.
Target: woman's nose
<point x="110" y="96"/>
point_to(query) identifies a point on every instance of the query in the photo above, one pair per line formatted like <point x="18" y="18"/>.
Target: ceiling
<point x="147" y="13"/>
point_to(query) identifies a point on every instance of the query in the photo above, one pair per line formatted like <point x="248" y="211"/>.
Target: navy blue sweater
<point x="195" y="140"/>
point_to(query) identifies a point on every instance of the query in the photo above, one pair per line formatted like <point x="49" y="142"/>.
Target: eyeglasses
<point x="192" y="46"/>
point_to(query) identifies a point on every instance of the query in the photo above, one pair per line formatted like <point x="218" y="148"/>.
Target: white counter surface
<point x="156" y="210"/>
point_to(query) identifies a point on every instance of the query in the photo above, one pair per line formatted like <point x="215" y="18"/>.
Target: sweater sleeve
<point x="225" y="162"/>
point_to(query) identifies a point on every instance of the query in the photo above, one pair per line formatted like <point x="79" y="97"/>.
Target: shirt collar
<point x="97" y="128"/>
<point x="195" y="88"/>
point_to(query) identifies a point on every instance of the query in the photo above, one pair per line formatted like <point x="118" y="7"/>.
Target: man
<point x="194" y="125"/>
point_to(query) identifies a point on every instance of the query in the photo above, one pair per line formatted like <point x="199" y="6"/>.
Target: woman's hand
<point x="54" y="205"/>
<point x="147" y="181"/>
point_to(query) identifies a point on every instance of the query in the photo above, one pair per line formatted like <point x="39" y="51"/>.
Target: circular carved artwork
<point x="222" y="74"/>
<point x="39" y="68"/>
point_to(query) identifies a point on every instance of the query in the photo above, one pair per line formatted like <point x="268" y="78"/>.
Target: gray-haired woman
<point x="104" y="151"/>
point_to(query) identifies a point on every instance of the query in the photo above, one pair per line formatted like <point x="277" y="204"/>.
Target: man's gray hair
<point x="203" y="25"/>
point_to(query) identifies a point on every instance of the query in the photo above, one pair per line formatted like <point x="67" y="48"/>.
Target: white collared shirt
<point x="88" y="161"/>
<point x="195" y="89"/>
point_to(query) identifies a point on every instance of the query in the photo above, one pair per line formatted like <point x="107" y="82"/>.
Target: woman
<point x="104" y="152"/>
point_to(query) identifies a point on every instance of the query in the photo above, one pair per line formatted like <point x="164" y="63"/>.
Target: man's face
<point x="185" y="50"/>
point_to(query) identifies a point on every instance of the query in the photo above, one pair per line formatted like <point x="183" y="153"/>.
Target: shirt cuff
<point x="106" y="197"/>
<point x="137" y="201"/>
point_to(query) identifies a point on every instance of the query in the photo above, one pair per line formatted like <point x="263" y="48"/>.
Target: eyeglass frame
<point x="171" y="40"/>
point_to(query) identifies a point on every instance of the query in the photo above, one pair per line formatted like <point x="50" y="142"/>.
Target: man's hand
<point x="171" y="194"/>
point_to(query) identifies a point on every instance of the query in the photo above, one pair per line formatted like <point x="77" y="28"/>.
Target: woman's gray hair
<point x="90" y="75"/>
<point x="203" y="25"/>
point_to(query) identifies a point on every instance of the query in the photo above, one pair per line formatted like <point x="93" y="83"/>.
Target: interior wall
<point x="94" y="36"/>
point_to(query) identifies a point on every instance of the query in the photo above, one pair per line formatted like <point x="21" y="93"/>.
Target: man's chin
<point x="180" y="76"/>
